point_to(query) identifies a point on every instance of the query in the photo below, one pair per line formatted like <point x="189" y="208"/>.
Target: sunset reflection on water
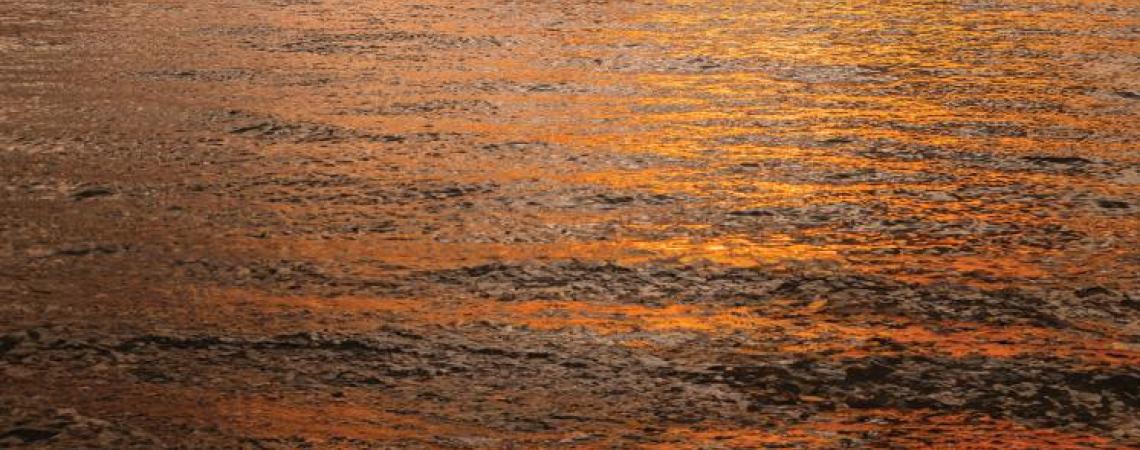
<point x="549" y="223"/>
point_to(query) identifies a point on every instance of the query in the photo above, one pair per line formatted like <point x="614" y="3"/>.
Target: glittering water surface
<point x="718" y="204"/>
<point x="990" y="141"/>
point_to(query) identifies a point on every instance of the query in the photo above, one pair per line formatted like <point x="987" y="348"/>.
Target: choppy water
<point x="589" y="178"/>
<point x="918" y="139"/>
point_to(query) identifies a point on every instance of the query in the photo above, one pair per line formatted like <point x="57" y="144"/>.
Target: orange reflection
<point x="766" y="330"/>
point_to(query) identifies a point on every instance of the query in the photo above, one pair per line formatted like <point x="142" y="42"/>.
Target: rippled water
<point x="349" y="166"/>
<point x="917" y="139"/>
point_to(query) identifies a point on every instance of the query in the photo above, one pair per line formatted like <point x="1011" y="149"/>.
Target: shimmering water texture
<point x="579" y="224"/>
